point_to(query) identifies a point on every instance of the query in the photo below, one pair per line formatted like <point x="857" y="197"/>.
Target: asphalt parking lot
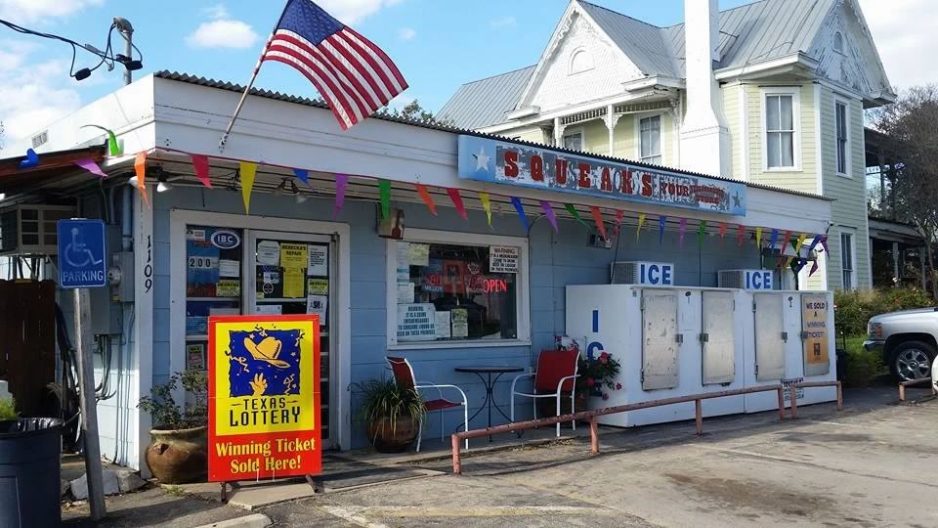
<point x="872" y="465"/>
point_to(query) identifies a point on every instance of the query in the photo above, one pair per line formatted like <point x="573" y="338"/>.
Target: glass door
<point x="294" y="273"/>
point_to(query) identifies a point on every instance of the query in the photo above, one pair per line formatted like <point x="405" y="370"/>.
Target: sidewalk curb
<point x="255" y="520"/>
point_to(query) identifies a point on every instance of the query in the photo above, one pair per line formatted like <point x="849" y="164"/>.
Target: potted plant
<point x="178" y="450"/>
<point x="8" y="410"/>
<point x="597" y="377"/>
<point x="391" y="414"/>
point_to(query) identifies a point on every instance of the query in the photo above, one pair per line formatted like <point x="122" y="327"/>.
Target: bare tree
<point x="910" y="126"/>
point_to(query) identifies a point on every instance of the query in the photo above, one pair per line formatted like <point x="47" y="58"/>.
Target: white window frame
<point x="838" y="101"/>
<point x="853" y="260"/>
<point x="573" y="131"/>
<point x="523" y="304"/>
<point x="795" y="94"/>
<point x="638" y="136"/>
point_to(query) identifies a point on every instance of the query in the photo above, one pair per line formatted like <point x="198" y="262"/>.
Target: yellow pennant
<point x="800" y="242"/>
<point x="759" y="237"/>
<point x="247" y="172"/>
<point x="641" y="224"/>
<point x="486" y="205"/>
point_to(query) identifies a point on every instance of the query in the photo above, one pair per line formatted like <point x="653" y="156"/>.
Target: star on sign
<point x="736" y="200"/>
<point x="482" y="160"/>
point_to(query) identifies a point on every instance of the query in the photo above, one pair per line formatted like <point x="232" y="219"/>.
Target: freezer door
<point x="770" y="341"/>
<point x="718" y="338"/>
<point x="659" y="340"/>
<point x="815" y="334"/>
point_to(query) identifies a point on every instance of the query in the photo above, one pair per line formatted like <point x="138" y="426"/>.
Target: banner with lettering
<point x="264" y="397"/>
<point x="489" y="160"/>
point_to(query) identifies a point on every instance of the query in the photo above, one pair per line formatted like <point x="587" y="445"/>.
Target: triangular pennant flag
<point x="384" y="194"/>
<point x="788" y="261"/>
<point x="662" y="223"/>
<point x="598" y="220"/>
<point x="723" y="228"/>
<point x="549" y="213"/>
<point x="91" y="166"/>
<point x="427" y="199"/>
<point x="740" y="234"/>
<point x="785" y="239"/>
<point x="641" y="224"/>
<point x="759" y="237"/>
<point x="113" y="146"/>
<point x="457" y="201"/>
<point x="620" y="215"/>
<point x="799" y="243"/>
<point x="247" y="171"/>
<point x="773" y="238"/>
<point x="824" y="244"/>
<point x="521" y="216"/>
<point x="486" y="206"/>
<point x="682" y="228"/>
<point x="200" y="163"/>
<point x="814" y="268"/>
<point x="341" y="182"/>
<point x="302" y="175"/>
<point x="576" y="215"/>
<point x="701" y="232"/>
<point x="140" y="168"/>
<point x="32" y="160"/>
<point x="814" y="243"/>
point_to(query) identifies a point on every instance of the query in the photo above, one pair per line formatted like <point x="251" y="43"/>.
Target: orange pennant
<point x="140" y="167"/>
<point x="427" y="199"/>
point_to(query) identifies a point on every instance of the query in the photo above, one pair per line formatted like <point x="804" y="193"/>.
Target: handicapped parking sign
<point x="82" y="262"/>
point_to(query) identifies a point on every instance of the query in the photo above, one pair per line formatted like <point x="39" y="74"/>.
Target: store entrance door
<point x="294" y="273"/>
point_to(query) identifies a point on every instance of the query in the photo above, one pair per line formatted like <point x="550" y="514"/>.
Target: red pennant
<point x="598" y="218"/>
<point x="723" y="230"/>
<point x="740" y="234"/>
<point x="785" y="239"/>
<point x="200" y="163"/>
<point x="457" y="201"/>
<point x="620" y="216"/>
<point x="427" y="199"/>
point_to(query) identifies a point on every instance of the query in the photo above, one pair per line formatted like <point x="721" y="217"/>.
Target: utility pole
<point x="127" y="31"/>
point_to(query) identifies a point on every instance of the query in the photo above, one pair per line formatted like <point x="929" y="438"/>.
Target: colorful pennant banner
<point x="662" y="223"/>
<point x="701" y="232"/>
<point x="384" y="194"/>
<point x="682" y="228"/>
<point x="515" y="201"/>
<point x="620" y="216"/>
<point x="799" y="243"/>
<point x="759" y="237"/>
<point x="773" y="238"/>
<point x="641" y="224"/>
<point x="575" y="214"/>
<point x="486" y="206"/>
<point x="302" y="175"/>
<point x="140" y="169"/>
<point x="598" y="220"/>
<point x="457" y="201"/>
<point x="248" y="171"/>
<point x="91" y="166"/>
<point x="785" y="239"/>
<point x="740" y="234"/>
<point x="200" y="164"/>
<point x="427" y="199"/>
<point x="341" y="183"/>
<point x="551" y="216"/>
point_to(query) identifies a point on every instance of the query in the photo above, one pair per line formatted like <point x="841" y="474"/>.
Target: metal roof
<point x="750" y="34"/>
<point x="487" y="101"/>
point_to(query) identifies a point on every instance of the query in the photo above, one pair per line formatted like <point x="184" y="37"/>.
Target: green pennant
<point x="384" y="190"/>
<point x="701" y="232"/>
<point x="114" y="148"/>
<point x="576" y="216"/>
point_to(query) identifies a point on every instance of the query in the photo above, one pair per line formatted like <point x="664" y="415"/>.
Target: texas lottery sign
<point x="263" y="397"/>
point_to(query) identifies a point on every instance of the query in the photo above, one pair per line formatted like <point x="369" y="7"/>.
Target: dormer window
<point x="839" y="43"/>
<point x="581" y="61"/>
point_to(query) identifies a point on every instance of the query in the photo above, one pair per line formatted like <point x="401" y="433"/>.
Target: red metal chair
<point x="404" y="377"/>
<point x="555" y="377"/>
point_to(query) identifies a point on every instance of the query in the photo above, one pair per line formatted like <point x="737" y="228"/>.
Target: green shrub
<point x="854" y="308"/>
<point x="7" y="409"/>
<point x="863" y="366"/>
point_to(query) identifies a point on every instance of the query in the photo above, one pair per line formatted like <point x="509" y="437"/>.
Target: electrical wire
<point x="107" y="56"/>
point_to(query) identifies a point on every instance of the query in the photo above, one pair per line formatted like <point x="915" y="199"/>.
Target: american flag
<point x="352" y="74"/>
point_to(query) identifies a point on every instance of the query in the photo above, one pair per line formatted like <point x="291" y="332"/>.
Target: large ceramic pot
<point x="388" y="439"/>
<point x="177" y="456"/>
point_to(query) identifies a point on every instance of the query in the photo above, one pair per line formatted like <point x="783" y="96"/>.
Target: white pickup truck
<point x="908" y="341"/>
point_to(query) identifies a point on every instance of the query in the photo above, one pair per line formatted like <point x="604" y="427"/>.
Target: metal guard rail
<point x="592" y="415"/>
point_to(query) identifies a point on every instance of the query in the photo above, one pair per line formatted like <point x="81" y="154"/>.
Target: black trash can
<point x="841" y="365"/>
<point x="29" y="473"/>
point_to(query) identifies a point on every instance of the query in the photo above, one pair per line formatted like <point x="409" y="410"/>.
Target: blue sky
<point x="438" y="44"/>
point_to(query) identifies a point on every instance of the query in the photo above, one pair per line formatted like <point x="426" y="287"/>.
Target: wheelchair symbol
<point x="77" y="254"/>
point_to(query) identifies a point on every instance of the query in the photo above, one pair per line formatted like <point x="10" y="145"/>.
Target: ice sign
<point x="655" y="274"/>
<point x="759" y="280"/>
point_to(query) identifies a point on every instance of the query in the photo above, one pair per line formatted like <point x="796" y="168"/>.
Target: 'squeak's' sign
<point x="489" y="160"/>
<point x="264" y="397"/>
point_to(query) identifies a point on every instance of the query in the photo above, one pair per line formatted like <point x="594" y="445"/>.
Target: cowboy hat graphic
<point x="268" y="350"/>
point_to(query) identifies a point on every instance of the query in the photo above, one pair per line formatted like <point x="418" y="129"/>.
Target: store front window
<point x="455" y="291"/>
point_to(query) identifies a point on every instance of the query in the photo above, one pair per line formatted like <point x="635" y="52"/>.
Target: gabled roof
<point x="487" y="101"/>
<point x="755" y="33"/>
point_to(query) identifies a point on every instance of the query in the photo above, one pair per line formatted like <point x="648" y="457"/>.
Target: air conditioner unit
<point x="644" y="273"/>
<point x="30" y="229"/>
<point x="746" y="279"/>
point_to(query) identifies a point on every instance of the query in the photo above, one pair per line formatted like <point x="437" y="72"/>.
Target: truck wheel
<point x="912" y="360"/>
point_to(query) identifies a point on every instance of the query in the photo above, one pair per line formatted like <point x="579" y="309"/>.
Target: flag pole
<point x="257" y="69"/>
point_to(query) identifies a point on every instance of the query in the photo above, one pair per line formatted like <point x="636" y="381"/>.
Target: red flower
<point x="590" y="382"/>
<point x="604" y="358"/>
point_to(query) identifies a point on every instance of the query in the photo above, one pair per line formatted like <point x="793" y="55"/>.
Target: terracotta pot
<point x="388" y="439"/>
<point x="177" y="456"/>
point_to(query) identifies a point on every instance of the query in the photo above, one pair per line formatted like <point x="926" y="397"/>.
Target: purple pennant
<point x="515" y="201"/>
<point x="341" y="182"/>
<point x="90" y="166"/>
<point x="814" y="243"/>
<point x="549" y="213"/>
<point x="814" y="268"/>
<point x="302" y="175"/>
<point x="681" y="230"/>
<point x="824" y="244"/>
